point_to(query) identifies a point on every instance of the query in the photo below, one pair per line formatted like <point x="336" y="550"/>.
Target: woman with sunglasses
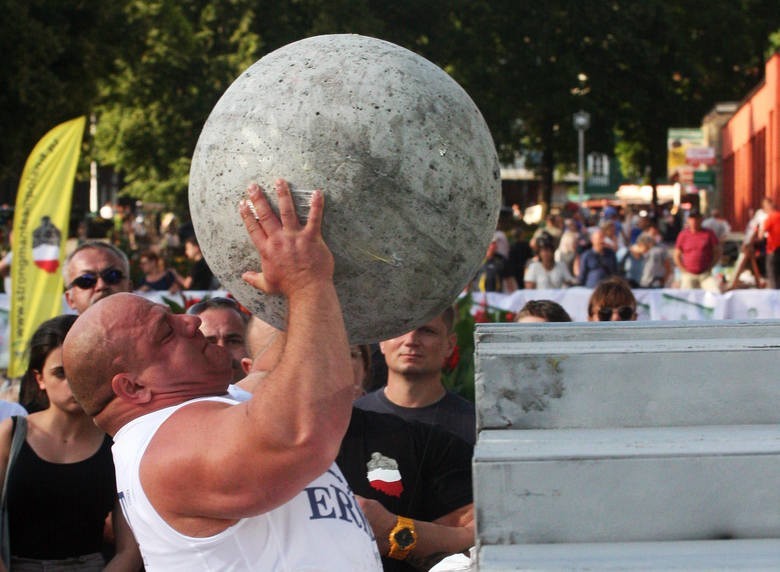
<point x="612" y="301"/>
<point x="61" y="485"/>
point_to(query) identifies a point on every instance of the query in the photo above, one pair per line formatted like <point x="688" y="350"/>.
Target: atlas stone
<point x="403" y="155"/>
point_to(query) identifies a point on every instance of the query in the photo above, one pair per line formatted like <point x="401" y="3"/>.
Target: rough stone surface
<point x="403" y="155"/>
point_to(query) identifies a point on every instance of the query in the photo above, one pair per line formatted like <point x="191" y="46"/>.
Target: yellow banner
<point x="40" y="232"/>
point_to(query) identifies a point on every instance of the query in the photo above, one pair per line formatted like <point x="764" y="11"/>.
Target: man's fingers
<point x="265" y="217"/>
<point x="315" y="212"/>
<point x="256" y="232"/>
<point x="286" y="206"/>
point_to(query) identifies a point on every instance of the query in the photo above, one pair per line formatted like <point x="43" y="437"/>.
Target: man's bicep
<point x="200" y="464"/>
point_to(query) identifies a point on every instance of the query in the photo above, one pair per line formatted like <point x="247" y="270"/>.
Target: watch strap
<point x="397" y="551"/>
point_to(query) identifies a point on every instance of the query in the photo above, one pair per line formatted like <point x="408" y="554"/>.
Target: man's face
<point x="224" y="327"/>
<point x="597" y="241"/>
<point x="421" y="351"/>
<point x="171" y="349"/>
<point x="94" y="261"/>
<point x="191" y="251"/>
<point x="694" y="223"/>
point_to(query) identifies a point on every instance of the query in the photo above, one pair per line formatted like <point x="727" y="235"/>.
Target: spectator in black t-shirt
<point x="200" y="276"/>
<point x="412" y="470"/>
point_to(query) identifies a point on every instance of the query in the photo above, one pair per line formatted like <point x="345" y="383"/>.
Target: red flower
<point x="509" y="317"/>
<point x="481" y="317"/>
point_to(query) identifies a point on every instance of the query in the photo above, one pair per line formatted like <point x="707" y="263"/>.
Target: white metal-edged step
<point x="755" y="555"/>
<point x="626" y="485"/>
<point x="591" y="383"/>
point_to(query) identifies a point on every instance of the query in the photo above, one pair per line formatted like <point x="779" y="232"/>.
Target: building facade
<point x="750" y="142"/>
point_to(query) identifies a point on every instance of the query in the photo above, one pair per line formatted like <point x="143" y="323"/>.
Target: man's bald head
<point x="90" y="354"/>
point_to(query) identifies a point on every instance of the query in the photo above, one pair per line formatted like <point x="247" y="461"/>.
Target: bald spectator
<point x="596" y="263"/>
<point x="94" y="271"/>
<point x="697" y="250"/>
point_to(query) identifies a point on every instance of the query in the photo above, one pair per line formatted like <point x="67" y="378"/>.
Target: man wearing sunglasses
<point x="94" y="271"/>
<point x="612" y="301"/>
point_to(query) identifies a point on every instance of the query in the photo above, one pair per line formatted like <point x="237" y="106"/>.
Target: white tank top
<point x="322" y="528"/>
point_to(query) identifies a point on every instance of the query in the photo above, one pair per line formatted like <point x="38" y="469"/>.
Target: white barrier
<point x="664" y="304"/>
<point x="661" y="304"/>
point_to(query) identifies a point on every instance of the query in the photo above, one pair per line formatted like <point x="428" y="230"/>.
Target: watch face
<point x="404" y="537"/>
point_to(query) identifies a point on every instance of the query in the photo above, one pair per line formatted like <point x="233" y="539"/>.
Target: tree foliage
<point x="53" y="52"/>
<point x="182" y="57"/>
<point x="152" y="70"/>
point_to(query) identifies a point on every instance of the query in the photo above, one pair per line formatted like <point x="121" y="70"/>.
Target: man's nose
<point x="192" y="323"/>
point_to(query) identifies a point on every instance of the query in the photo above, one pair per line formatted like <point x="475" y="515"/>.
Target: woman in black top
<point x="61" y="487"/>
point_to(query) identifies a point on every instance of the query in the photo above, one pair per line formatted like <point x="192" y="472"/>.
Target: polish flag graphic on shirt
<point x="383" y="475"/>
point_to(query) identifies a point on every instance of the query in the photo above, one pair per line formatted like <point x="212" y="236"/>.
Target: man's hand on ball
<point x="293" y="257"/>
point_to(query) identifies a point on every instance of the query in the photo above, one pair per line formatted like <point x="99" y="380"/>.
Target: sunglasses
<point x="88" y="280"/>
<point x="624" y="312"/>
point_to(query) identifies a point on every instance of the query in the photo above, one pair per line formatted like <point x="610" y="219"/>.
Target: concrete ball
<point x="405" y="160"/>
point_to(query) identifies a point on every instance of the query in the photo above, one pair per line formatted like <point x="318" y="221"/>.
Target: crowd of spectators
<point x="579" y="247"/>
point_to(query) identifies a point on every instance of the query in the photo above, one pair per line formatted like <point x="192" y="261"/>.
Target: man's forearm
<point x="437" y="541"/>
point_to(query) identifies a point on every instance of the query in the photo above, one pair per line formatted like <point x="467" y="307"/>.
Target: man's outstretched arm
<point x="211" y="461"/>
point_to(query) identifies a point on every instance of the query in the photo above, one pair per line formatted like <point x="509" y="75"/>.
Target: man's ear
<point x="68" y="300"/>
<point x="452" y="341"/>
<point x="127" y="388"/>
<point x="246" y="365"/>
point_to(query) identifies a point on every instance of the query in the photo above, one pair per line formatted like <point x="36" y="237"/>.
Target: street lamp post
<point x="581" y="124"/>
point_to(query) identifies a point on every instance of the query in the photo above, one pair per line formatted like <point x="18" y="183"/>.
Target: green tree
<point x="179" y="58"/>
<point x="53" y="51"/>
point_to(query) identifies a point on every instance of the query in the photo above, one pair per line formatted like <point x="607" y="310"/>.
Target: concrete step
<point x="715" y="555"/>
<point x="578" y="331"/>
<point x="627" y="485"/>
<point x="546" y="376"/>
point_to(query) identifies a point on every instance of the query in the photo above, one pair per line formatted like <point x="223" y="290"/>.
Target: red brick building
<point x="751" y="149"/>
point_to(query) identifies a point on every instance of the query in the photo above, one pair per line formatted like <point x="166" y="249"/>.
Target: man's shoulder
<point x="374" y="401"/>
<point x="458" y="402"/>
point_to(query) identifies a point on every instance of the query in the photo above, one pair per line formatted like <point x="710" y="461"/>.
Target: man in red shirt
<point x="697" y="250"/>
<point x="771" y="231"/>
